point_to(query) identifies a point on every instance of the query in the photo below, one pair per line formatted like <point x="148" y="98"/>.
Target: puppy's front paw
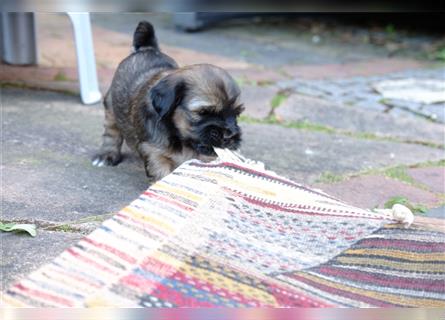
<point x="106" y="159"/>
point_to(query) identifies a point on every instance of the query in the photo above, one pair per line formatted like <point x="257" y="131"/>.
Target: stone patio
<point x="361" y="151"/>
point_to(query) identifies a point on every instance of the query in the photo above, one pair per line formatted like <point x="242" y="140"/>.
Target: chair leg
<point x="86" y="63"/>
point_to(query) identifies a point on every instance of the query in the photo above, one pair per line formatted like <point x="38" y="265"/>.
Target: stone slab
<point x="433" y="178"/>
<point x="48" y="140"/>
<point x="22" y="254"/>
<point x="257" y="100"/>
<point x="304" y="155"/>
<point x="435" y="111"/>
<point x="359" y="91"/>
<point x="371" y="191"/>
<point x="351" y="118"/>
<point x="436" y="213"/>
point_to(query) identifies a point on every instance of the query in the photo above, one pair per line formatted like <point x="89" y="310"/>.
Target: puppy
<point x="165" y="113"/>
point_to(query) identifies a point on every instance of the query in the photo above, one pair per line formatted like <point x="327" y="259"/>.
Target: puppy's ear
<point x="167" y="94"/>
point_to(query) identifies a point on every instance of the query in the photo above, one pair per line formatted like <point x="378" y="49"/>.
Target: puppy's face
<point x="205" y="106"/>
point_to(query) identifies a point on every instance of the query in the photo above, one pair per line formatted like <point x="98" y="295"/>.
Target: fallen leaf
<point x="9" y="227"/>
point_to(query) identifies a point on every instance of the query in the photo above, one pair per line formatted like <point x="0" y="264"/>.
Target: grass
<point x="96" y="218"/>
<point x="329" y="177"/>
<point x="278" y="99"/>
<point x="440" y="54"/>
<point x="63" y="228"/>
<point x="21" y="85"/>
<point x="243" y="81"/>
<point x="427" y="164"/>
<point x="309" y="126"/>
<point x="390" y="30"/>
<point x="399" y="173"/>
<point x="301" y="125"/>
<point x="316" y="127"/>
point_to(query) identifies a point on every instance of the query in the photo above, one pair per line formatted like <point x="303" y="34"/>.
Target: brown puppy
<point x="166" y="113"/>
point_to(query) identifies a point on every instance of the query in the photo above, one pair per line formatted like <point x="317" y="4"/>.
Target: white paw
<point x="98" y="162"/>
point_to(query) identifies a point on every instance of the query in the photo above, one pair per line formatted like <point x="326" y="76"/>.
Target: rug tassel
<point x="227" y="155"/>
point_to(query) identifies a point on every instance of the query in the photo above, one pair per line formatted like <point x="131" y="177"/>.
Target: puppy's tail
<point x="144" y="36"/>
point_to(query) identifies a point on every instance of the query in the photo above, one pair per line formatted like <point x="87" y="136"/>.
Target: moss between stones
<point x="278" y="99"/>
<point x="316" y="127"/>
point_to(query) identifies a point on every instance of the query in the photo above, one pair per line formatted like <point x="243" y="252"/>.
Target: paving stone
<point x="373" y="190"/>
<point x="353" y="69"/>
<point x="436" y="213"/>
<point x="300" y="108"/>
<point x="358" y="91"/>
<point x="304" y="155"/>
<point x="433" y="178"/>
<point x="257" y="100"/>
<point x="22" y="253"/>
<point x="435" y="111"/>
<point x="48" y="140"/>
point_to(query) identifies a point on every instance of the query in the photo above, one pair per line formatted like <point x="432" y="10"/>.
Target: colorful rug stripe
<point x="383" y="271"/>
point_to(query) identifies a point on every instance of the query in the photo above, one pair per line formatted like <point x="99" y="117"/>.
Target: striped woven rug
<point x="226" y="234"/>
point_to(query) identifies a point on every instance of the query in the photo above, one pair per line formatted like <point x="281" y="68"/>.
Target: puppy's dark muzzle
<point x="219" y="135"/>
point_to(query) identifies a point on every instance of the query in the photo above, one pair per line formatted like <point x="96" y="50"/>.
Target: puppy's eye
<point x="204" y="112"/>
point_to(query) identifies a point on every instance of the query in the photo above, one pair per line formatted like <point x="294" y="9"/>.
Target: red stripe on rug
<point x="110" y="249"/>
<point x="156" y="196"/>
<point x="90" y="261"/>
<point x="312" y="213"/>
<point x="43" y="295"/>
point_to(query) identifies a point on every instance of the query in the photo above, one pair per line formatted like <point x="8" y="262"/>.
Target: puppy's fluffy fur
<point x="166" y="113"/>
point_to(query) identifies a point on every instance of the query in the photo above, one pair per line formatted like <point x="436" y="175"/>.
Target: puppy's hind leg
<point x="110" y="151"/>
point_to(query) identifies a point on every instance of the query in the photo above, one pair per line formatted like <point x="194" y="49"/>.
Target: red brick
<point x="370" y="191"/>
<point x="352" y="69"/>
<point x="433" y="178"/>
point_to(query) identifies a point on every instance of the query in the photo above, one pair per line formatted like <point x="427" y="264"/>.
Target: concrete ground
<point x="311" y="115"/>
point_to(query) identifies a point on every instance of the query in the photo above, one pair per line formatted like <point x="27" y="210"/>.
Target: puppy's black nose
<point x="215" y="135"/>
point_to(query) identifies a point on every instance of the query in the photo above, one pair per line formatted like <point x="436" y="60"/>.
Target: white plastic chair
<point x="86" y="62"/>
<point x="19" y="46"/>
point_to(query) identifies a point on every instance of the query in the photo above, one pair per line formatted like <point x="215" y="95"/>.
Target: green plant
<point x="390" y="29"/>
<point x="414" y="207"/>
<point x="61" y="76"/>
<point x="329" y="177"/>
<point x="399" y="173"/>
<point x="440" y="54"/>
<point x="277" y="100"/>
